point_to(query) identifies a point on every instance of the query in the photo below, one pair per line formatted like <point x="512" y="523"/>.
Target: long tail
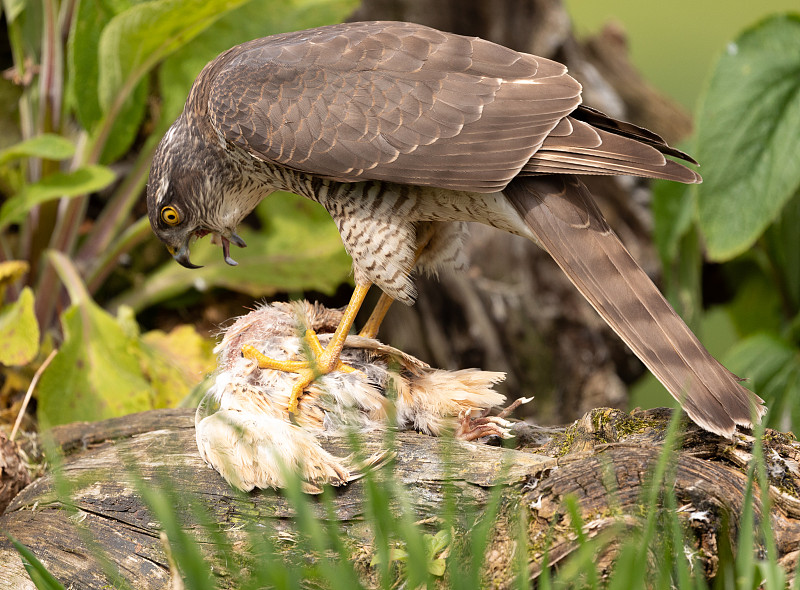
<point x="562" y="214"/>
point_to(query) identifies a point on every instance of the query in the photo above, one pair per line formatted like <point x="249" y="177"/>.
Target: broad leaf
<point x="300" y="249"/>
<point x="47" y="146"/>
<point x="772" y="369"/>
<point x="137" y="39"/>
<point x="10" y="272"/>
<point x="178" y="72"/>
<point x="82" y="61"/>
<point x="95" y="374"/>
<point x="749" y="136"/>
<point x="61" y="184"/>
<point x="126" y="125"/>
<point x="175" y="362"/>
<point x="19" y="331"/>
<point x="781" y="240"/>
<point x="104" y="367"/>
<point x="673" y="209"/>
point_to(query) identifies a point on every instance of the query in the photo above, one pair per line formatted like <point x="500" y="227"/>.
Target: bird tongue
<point x="226" y="247"/>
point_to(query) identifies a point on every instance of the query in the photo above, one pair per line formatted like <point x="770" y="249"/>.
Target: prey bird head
<point x="186" y="196"/>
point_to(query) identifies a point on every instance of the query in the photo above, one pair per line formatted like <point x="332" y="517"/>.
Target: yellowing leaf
<point x="10" y="272"/>
<point x="175" y="362"/>
<point x="19" y="331"/>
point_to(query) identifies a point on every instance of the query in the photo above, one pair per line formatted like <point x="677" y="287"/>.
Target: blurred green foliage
<point x="674" y="44"/>
<point x="746" y="214"/>
<point x="94" y="87"/>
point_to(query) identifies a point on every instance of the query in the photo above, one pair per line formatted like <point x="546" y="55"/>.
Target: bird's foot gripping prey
<point x="321" y="360"/>
<point x="243" y="431"/>
<point x="400" y="131"/>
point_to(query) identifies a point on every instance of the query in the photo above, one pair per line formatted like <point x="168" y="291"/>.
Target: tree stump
<point x="105" y="511"/>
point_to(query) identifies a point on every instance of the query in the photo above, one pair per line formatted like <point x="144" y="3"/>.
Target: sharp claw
<point x="226" y="252"/>
<point x="236" y="239"/>
<point x="226" y="247"/>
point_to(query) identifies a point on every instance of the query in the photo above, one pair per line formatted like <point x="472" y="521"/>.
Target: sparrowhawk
<point x="403" y="133"/>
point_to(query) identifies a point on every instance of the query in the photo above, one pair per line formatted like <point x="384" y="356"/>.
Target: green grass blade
<point x="42" y="578"/>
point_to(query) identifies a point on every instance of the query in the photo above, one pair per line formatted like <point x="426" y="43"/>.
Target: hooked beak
<point x="181" y="255"/>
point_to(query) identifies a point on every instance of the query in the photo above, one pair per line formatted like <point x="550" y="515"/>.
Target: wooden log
<point x="104" y="513"/>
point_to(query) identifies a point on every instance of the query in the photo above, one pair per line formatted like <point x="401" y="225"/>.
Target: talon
<point x="321" y="360"/>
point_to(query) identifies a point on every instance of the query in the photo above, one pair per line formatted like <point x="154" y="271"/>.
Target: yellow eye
<point x="170" y="216"/>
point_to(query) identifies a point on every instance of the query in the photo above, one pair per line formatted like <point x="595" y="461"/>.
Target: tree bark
<point x="603" y="460"/>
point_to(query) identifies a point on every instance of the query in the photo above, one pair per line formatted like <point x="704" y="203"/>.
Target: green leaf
<point x="41" y="578"/>
<point x="673" y="209"/>
<point x="13" y="8"/>
<point x="749" y="136"/>
<point x="246" y="22"/>
<point x="772" y="369"/>
<point x="436" y="567"/>
<point x="47" y="146"/>
<point x="83" y="59"/>
<point x="126" y="124"/>
<point x="756" y="307"/>
<point x="19" y="331"/>
<point x="61" y="184"/>
<point x="137" y="39"/>
<point x="781" y="244"/>
<point x="300" y="249"/>
<point x="96" y="373"/>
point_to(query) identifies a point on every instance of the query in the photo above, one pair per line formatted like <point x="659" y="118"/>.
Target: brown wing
<point x="589" y="142"/>
<point x="390" y="101"/>
<point x="406" y="103"/>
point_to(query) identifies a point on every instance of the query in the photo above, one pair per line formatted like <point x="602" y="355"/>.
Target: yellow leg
<point x="370" y="329"/>
<point x="323" y="360"/>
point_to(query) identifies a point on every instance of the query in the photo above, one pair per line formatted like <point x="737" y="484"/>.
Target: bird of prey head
<point x="186" y="182"/>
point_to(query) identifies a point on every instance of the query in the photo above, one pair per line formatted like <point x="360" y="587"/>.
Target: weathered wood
<point x="603" y="460"/>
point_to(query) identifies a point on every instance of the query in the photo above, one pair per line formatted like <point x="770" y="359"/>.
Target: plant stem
<point x="115" y="214"/>
<point x="101" y="268"/>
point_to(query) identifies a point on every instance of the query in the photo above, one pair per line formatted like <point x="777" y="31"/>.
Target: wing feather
<point x="390" y="101"/>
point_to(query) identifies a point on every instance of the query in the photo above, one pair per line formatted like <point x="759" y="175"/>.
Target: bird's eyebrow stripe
<point x="161" y="192"/>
